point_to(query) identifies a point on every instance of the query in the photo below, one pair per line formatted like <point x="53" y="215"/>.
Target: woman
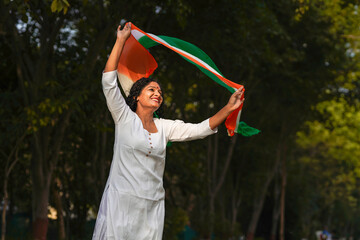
<point x="132" y="206"/>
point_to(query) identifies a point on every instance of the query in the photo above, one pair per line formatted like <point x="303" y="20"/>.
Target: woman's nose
<point x="157" y="93"/>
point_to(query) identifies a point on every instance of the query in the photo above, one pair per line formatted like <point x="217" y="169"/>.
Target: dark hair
<point x="135" y="91"/>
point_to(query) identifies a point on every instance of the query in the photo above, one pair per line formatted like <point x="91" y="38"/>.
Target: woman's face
<point x="150" y="96"/>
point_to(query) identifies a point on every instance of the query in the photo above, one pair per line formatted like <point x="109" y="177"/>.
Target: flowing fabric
<point x="136" y="62"/>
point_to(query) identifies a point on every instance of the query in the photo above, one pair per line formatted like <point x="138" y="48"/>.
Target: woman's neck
<point x="145" y="116"/>
<point x="147" y="120"/>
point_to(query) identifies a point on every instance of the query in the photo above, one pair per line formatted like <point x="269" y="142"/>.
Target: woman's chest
<point x="136" y="137"/>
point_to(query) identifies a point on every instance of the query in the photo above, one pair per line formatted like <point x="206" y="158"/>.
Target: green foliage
<point x="60" y="5"/>
<point x="334" y="149"/>
<point x="223" y="229"/>
<point x="331" y="159"/>
<point x="46" y="113"/>
<point x="299" y="63"/>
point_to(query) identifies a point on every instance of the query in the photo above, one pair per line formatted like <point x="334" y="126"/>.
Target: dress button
<point x="150" y="143"/>
<point x="147" y="155"/>
<point x="151" y="147"/>
<point x="149" y="152"/>
<point x="149" y="138"/>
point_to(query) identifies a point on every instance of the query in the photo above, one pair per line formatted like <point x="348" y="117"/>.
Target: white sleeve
<point x="120" y="111"/>
<point x="178" y="131"/>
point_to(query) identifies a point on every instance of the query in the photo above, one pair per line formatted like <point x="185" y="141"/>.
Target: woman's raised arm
<point x="115" y="101"/>
<point x="121" y="37"/>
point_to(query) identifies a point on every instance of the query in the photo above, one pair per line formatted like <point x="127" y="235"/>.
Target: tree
<point x="332" y="147"/>
<point x="290" y="55"/>
<point x="43" y="46"/>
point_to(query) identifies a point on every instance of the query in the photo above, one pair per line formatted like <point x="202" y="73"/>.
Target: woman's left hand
<point x="236" y="99"/>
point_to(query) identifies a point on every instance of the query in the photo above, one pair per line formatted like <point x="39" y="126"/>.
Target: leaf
<point x="60" y="5"/>
<point x="54" y="6"/>
<point x="66" y="3"/>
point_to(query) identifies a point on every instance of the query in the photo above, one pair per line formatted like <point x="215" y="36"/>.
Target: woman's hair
<point x="135" y="91"/>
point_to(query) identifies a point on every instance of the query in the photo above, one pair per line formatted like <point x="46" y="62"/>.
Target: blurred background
<point x="298" y="60"/>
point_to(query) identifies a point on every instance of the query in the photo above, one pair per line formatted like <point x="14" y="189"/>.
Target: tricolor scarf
<point x="136" y="62"/>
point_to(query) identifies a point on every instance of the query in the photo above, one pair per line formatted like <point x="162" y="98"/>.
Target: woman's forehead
<point x="154" y="84"/>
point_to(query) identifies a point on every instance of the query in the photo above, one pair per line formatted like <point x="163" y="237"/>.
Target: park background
<point x="299" y="63"/>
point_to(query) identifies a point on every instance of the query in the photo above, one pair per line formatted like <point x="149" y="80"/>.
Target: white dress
<point x="132" y="205"/>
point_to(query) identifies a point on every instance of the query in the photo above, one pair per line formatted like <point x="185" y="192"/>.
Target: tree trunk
<point x="40" y="211"/>
<point x="276" y="210"/>
<point x="59" y="210"/>
<point x="3" y="226"/>
<point x="259" y="202"/>
<point x="215" y="184"/>
<point x="40" y="196"/>
<point x="283" y="188"/>
<point x="236" y="200"/>
<point x="43" y="163"/>
<point x="258" y="206"/>
<point x="8" y="168"/>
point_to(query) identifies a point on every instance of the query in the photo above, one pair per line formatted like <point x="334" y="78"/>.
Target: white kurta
<point x="132" y="206"/>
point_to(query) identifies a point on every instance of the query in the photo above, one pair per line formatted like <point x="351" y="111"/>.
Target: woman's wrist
<point x="120" y="40"/>
<point x="228" y="109"/>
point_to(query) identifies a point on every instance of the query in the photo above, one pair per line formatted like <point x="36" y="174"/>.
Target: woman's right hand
<point x="124" y="34"/>
<point x="121" y="37"/>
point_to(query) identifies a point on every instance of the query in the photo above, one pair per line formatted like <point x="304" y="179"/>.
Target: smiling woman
<point x="132" y="206"/>
<point x="136" y="90"/>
